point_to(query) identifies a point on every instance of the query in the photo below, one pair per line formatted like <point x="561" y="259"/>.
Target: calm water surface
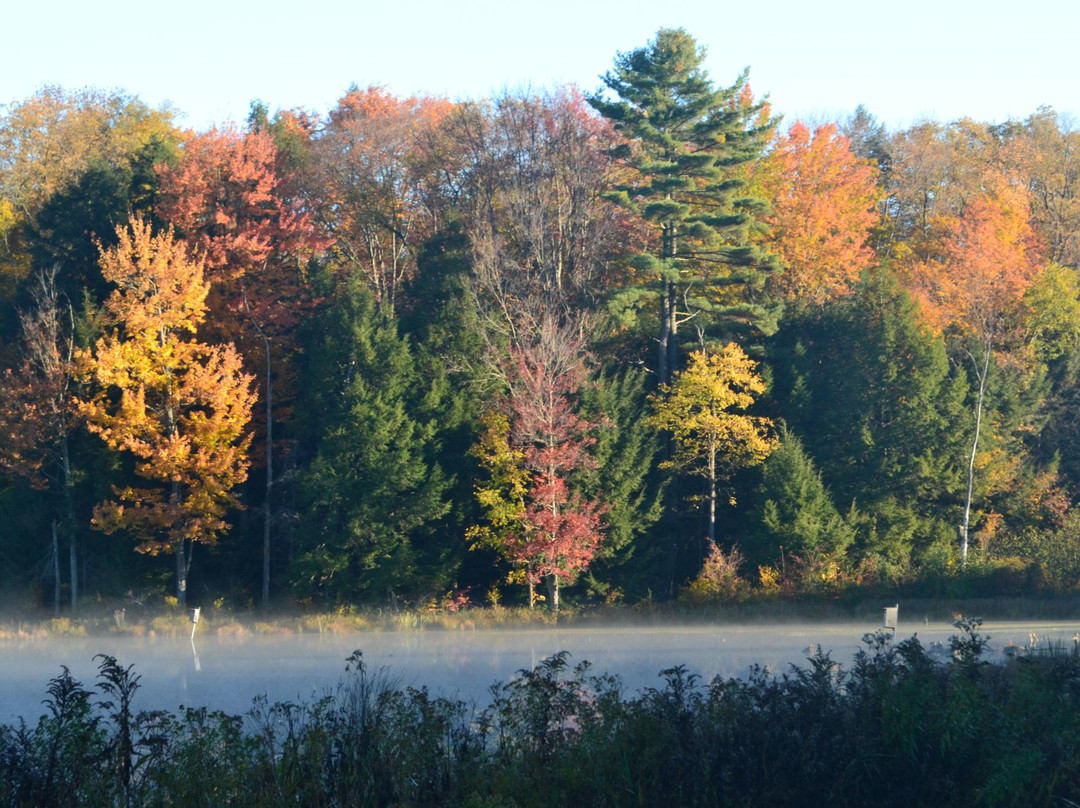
<point x="227" y="673"/>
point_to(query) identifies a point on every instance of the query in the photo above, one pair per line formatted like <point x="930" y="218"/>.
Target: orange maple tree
<point x="824" y="201"/>
<point x="988" y="260"/>
<point x="182" y="406"/>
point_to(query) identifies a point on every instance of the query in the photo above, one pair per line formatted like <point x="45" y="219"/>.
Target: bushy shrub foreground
<point x="897" y="728"/>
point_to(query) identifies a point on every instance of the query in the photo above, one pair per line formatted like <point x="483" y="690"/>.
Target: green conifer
<point x="689" y="144"/>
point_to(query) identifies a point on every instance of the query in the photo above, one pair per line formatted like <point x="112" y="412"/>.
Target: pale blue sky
<point x="210" y="58"/>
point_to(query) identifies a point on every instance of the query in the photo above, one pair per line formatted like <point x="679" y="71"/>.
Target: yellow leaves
<point x="183" y="406"/>
<point x="9" y="219"/>
<point x="51" y="138"/>
<point x="161" y="290"/>
<point x="502" y="495"/>
<point x="14" y="257"/>
<point x="703" y="409"/>
<point x="1052" y="320"/>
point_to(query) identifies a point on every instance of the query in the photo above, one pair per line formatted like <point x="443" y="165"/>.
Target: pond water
<point x="227" y="673"/>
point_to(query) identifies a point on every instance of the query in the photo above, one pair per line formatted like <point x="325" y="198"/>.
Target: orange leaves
<point x="989" y="259"/>
<point x="158" y="285"/>
<point x="824" y="201"/>
<point x="183" y="406"/>
<point x="225" y="199"/>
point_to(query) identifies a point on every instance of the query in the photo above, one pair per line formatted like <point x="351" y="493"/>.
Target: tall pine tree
<point x="689" y="145"/>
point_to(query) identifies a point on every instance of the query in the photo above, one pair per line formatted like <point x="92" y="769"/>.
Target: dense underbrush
<point x="897" y="728"/>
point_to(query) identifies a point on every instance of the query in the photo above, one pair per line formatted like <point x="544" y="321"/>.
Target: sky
<point x="209" y="59"/>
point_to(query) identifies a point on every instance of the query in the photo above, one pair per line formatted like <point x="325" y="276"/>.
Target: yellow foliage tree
<point x="183" y="406"/>
<point x="502" y="496"/>
<point x="704" y="410"/>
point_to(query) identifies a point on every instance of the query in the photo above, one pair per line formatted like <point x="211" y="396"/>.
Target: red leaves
<point x="563" y="530"/>
<point x="225" y="199"/>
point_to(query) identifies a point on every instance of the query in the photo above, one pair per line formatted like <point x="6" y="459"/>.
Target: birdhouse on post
<point x="194" y="621"/>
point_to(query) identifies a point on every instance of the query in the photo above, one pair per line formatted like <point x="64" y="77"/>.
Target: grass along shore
<point x="167" y="619"/>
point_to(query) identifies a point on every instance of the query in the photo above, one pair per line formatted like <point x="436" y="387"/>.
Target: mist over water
<point x="227" y="673"/>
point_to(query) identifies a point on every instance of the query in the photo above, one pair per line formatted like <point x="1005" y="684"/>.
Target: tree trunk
<point x="181" y="575"/>
<point x="56" y="570"/>
<point x="73" y="564"/>
<point x="269" y="484"/>
<point x="72" y="527"/>
<point x="669" y="320"/>
<point x="553" y="591"/>
<point x="712" y="496"/>
<point x="269" y="457"/>
<point x="667" y="335"/>
<point x="981" y="376"/>
<point x="673" y="342"/>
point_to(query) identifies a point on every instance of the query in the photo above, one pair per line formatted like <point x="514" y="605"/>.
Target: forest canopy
<point x="641" y="340"/>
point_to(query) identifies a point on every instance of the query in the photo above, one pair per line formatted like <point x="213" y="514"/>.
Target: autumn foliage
<point x="177" y="406"/>
<point x="375" y="167"/>
<point x="562" y="328"/>
<point x="705" y="409"/>
<point x="823" y="206"/>
<point x="562" y="528"/>
<point x="225" y="200"/>
<point x="988" y="260"/>
<point x="535" y="518"/>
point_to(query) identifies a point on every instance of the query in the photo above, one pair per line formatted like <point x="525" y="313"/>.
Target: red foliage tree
<point x="225" y="199"/>
<point x="563" y="530"/>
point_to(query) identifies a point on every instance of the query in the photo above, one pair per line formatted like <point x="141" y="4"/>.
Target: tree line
<point x="648" y="341"/>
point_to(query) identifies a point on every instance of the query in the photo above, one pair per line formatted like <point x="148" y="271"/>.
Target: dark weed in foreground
<point x="898" y="728"/>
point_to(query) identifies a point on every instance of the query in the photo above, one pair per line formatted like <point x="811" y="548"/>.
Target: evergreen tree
<point x="374" y="488"/>
<point x="798" y="513"/>
<point x="625" y="455"/>
<point x="869" y="388"/>
<point x="439" y="316"/>
<point x="689" y="145"/>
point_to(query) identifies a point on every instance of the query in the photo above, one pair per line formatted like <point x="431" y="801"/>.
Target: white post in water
<point x="194" y="621"/>
<point x="891" y="614"/>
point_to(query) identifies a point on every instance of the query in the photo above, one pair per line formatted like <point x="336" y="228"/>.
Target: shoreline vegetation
<point x="896" y="727"/>
<point x="168" y="620"/>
